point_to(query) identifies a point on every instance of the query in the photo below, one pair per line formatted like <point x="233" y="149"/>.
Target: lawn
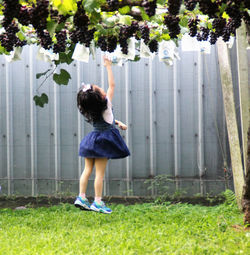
<point x="134" y="229"/>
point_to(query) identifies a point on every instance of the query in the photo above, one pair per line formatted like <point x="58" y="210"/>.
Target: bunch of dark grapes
<point x="125" y="33"/>
<point x="153" y="46"/>
<point x="102" y="43"/>
<point x="81" y="20"/>
<point x="235" y="15"/>
<point x="82" y="35"/>
<point x="24" y="15"/>
<point x="113" y="4"/>
<point x="174" y="6"/>
<point x="208" y="7"/>
<point x="219" y="24"/>
<point x="60" y="46"/>
<point x="9" y="39"/>
<point x="10" y="11"/>
<point x="39" y="15"/>
<point x="124" y="45"/>
<point x="192" y="24"/>
<point x="213" y="37"/>
<point x="45" y="39"/>
<point x="226" y="34"/>
<point x="172" y="22"/>
<point x="112" y="43"/>
<point x="144" y="29"/>
<point x="204" y="33"/>
<point x="149" y="7"/>
<point x="190" y="4"/>
<point x="89" y="35"/>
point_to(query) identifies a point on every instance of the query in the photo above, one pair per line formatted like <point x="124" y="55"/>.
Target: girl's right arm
<point x="111" y="80"/>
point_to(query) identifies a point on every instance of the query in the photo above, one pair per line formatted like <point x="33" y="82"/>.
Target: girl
<point x="103" y="143"/>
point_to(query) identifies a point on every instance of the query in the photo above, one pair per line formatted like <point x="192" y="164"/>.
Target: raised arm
<point x="111" y="80"/>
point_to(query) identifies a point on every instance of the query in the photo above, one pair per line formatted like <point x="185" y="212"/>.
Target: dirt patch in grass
<point x="46" y="201"/>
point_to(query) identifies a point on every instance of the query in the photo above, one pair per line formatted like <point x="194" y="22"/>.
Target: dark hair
<point x="91" y="104"/>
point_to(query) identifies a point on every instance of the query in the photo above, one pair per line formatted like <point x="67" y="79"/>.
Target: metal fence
<point x="175" y="118"/>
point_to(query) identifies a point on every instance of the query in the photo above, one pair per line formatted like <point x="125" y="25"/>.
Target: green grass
<point x="135" y="229"/>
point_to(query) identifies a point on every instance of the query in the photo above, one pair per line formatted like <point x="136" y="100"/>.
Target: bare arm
<point x="121" y="125"/>
<point x="111" y="80"/>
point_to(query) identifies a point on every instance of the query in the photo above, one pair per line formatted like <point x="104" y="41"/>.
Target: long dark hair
<point x="91" y="104"/>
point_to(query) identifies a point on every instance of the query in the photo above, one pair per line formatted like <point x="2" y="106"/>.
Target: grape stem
<point x="46" y="77"/>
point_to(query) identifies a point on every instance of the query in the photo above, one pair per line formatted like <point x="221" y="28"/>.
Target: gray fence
<point x="176" y="126"/>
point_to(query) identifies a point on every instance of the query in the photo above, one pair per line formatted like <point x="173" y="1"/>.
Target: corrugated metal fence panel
<point x="174" y="114"/>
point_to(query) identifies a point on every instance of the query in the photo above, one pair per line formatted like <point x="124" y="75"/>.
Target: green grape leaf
<point x="124" y="10"/>
<point x="21" y="35"/>
<point x="41" y="100"/>
<point x="62" y="78"/>
<point x="38" y="75"/>
<point x="91" y="5"/>
<point x="65" y="58"/>
<point x="51" y="27"/>
<point x="95" y="17"/>
<point x="126" y="20"/>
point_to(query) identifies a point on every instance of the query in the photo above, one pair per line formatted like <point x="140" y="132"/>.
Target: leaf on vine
<point x="126" y="20"/>
<point x="38" y="75"/>
<point x="41" y="100"/>
<point x="124" y="10"/>
<point x="66" y="6"/>
<point x="91" y="5"/>
<point x="62" y="78"/>
<point x="51" y="27"/>
<point x="137" y="58"/>
<point x="65" y="58"/>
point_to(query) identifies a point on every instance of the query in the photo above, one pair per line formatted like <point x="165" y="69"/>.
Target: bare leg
<point x="100" y="166"/>
<point x="89" y="163"/>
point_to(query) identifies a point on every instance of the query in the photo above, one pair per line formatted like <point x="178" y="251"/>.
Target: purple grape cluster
<point x="208" y="7"/>
<point x="81" y="33"/>
<point x="190" y="4"/>
<point x="111" y="43"/>
<point x="213" y="37"/>
<point x="60" y="46"/>
<point x="24" y="15"/>
<point x="45" y="39"/>
<point x="10" y="11"/>
<point x="219" y="24"/>
<point x="9" y="40"/>
<point x="149" y="7"/>
<point x="153" y="46"/>
<point x="192" y="24"/>
<point x="203" y="34"/>
<point x="144" y="29"/>
<point x="174" y="6"/>
<point x="39" y="15"/>
<point x="172" y="22"/>
<point x="102" y="43"/>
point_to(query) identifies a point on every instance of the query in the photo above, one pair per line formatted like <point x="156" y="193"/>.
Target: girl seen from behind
<point x="103" y="143"/>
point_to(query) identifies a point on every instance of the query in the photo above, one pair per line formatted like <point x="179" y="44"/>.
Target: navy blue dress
<point x="104" y="141"/>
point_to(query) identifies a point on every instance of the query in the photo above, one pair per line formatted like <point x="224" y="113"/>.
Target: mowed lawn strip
<point x="134" y="229"/>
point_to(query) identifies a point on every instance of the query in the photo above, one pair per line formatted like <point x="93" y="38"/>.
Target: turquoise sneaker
<point x="82" y="204"/>
<point x="100" y="207"/>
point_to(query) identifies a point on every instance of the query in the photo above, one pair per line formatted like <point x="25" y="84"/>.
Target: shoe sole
<point x="82" y="207"/>
<point x="99" y="210"/>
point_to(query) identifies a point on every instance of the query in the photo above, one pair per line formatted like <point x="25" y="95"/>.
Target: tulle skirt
<point x="104" y="144"/>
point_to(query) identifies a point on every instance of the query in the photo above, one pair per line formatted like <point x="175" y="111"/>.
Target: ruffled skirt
<point x="104" y="144"/>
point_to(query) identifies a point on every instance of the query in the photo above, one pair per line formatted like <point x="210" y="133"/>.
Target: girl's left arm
<point x="111" y="80"/>
<point x="121" y="125"/>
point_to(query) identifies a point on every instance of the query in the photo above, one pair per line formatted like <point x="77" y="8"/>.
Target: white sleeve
<point x="108" y="114"/>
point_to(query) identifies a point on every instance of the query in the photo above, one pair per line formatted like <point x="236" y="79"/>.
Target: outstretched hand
<point x="107" y="62"/>
<point x="122" y="126"/>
